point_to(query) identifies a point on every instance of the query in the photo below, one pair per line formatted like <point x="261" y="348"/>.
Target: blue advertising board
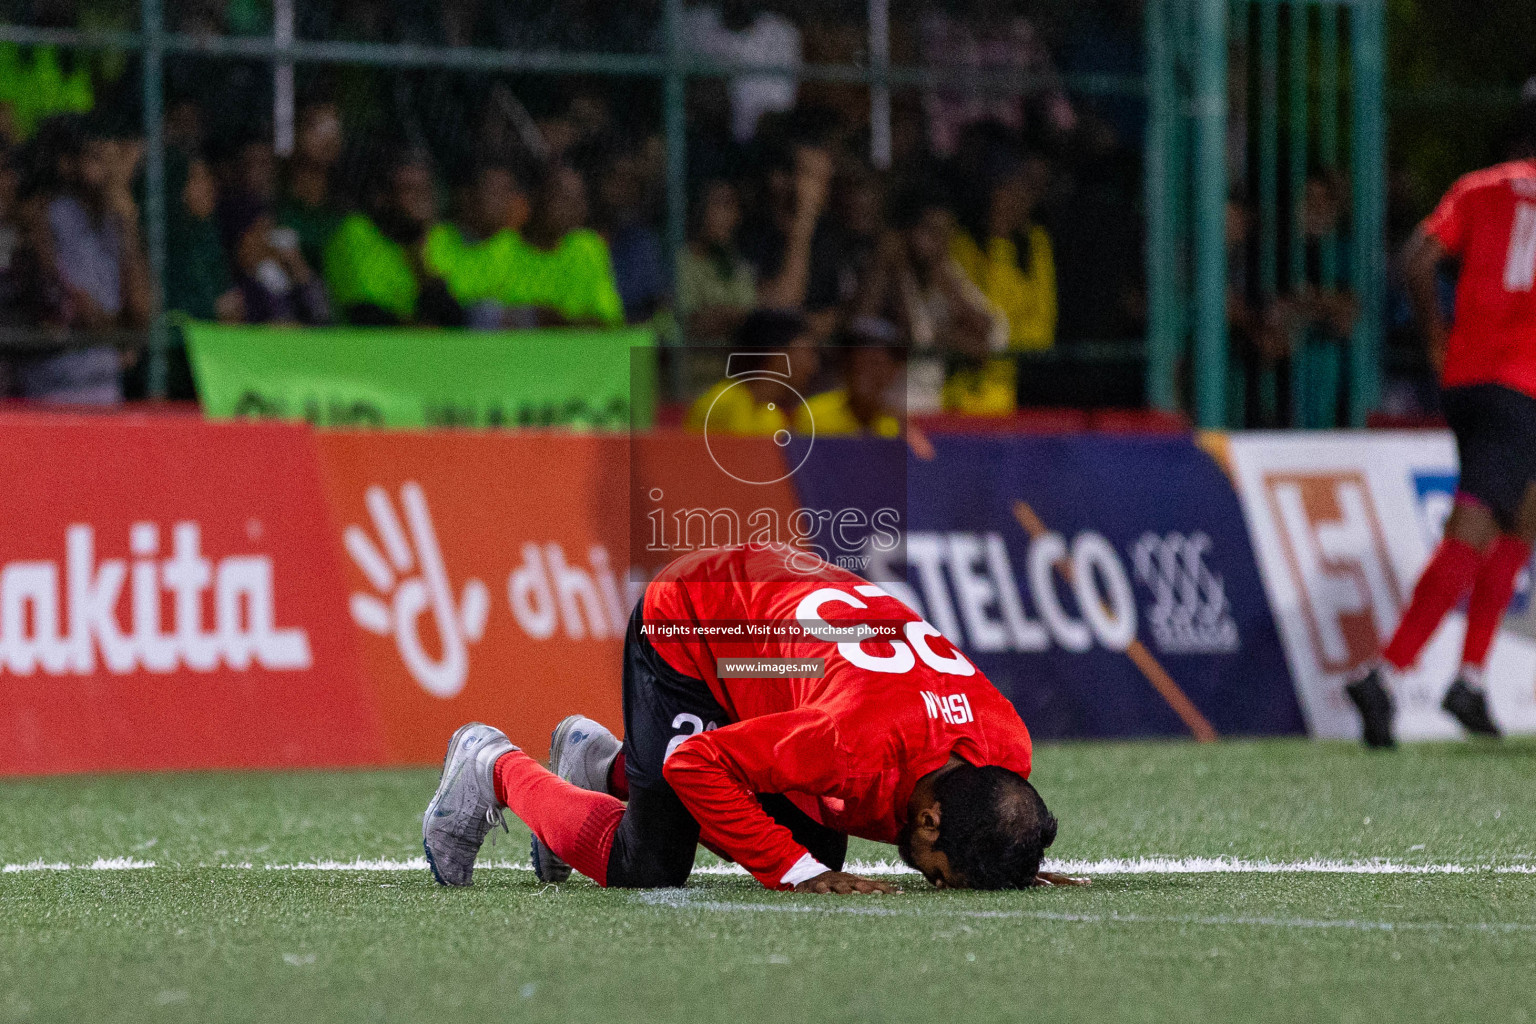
<point x="1104" y="583"/>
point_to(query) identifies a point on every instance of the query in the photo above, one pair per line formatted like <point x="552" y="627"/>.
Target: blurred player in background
<point x="1487" y="362"/>
<point x="898" y="740"/>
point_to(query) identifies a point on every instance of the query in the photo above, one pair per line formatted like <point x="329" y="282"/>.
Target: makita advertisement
<point x="170" y="598"/>
<point x="1343" y="524"/>
<point x="1105" y="584"/>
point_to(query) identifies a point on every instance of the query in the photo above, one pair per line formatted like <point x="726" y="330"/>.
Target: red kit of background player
<point x="1487" y="224"/>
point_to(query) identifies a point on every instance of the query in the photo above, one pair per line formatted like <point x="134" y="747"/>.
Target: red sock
<point x="1446" y="578"/>
<point x="1490" y="596"/>
<point x="574" y="823"/>
<point x="618" y="780"/>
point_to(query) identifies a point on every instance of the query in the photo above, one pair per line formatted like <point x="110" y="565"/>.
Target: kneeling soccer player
<point x="899" y="739"/>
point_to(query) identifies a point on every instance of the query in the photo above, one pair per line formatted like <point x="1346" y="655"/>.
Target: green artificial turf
<point x="193" y="940"/>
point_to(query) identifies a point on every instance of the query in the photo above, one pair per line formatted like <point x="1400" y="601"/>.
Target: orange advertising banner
<point x="482" y="577"/>
<point x="491" y="575"/>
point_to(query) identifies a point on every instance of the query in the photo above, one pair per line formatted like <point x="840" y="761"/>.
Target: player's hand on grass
<point x="844" y="884"/>
<point x="1052" y="878"/>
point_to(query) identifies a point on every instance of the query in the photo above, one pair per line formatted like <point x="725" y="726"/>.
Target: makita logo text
<point x="63" y="620"/>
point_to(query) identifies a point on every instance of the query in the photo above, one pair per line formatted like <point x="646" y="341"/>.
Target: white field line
<point x="683" y="899"/>
<point x="1110" y="866"/>
<point x="420" y="864"/>
<point x="1232" y="865"/>
<point x="99" y="864"/>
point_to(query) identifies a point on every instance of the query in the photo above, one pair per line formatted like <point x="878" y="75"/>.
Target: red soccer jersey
<point x="1488" y="219"/>
<point x="848" y="747"/>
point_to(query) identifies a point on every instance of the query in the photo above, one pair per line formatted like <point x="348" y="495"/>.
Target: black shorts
<point x="1495" y="430"/>
<point x="658" y="837"/>
<point x="662" y="707"/>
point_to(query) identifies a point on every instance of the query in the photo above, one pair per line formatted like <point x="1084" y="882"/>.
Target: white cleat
<point x="581" y="752"/>
<point x="464" y="808"/>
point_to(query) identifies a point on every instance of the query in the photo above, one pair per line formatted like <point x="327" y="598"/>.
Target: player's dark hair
<point x="993" y="826"/>
<point x="384" y="159"/>
<point x="916" y="200"/>
<point x="763" y="338"/>
<point x="767" y="330"/>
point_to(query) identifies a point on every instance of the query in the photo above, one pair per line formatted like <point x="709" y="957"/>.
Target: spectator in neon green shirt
<point x="374" y="267"/>
<point x="472" y="253"/>
<point x="557" y="271"/>
<point x="36" y="83"/>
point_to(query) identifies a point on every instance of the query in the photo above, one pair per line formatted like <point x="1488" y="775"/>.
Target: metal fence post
<point x="1179" y="32"/>
<point x="880" y="92"/>
<point x="282" y="80"/>
<point x="1210" y="202"/>
<point x="154" y="192"/>
<point x="1368" y="167"/>
<point x="675" y="129"/>
<point x="1269" y="146"/>
<point x="1163" y="341"/>
<point x="1296" y="144"/>
<point x="1328" y="121"/>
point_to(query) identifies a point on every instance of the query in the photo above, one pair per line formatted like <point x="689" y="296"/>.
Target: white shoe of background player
<point x="464" y="808"/>
<point x="581" y="752"/>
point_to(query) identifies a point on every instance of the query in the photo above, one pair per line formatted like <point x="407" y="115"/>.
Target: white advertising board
<point x="1342" y="523"/>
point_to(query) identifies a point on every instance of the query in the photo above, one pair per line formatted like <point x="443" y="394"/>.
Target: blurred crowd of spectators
<point x="1289" y="338"/>
<point x="421" y="198"/>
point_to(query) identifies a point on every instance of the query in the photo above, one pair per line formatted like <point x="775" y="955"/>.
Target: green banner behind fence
<point x="361" y="377"/>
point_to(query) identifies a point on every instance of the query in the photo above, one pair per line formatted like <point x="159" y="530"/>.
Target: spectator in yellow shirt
<point x="772" y="358"/>
<point x="938" y="310"/>
<point x="869" y="400"/>
<point x="1008" y="255"/>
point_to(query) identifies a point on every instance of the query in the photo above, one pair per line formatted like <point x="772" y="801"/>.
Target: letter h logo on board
<point x="1338" y="560"/>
